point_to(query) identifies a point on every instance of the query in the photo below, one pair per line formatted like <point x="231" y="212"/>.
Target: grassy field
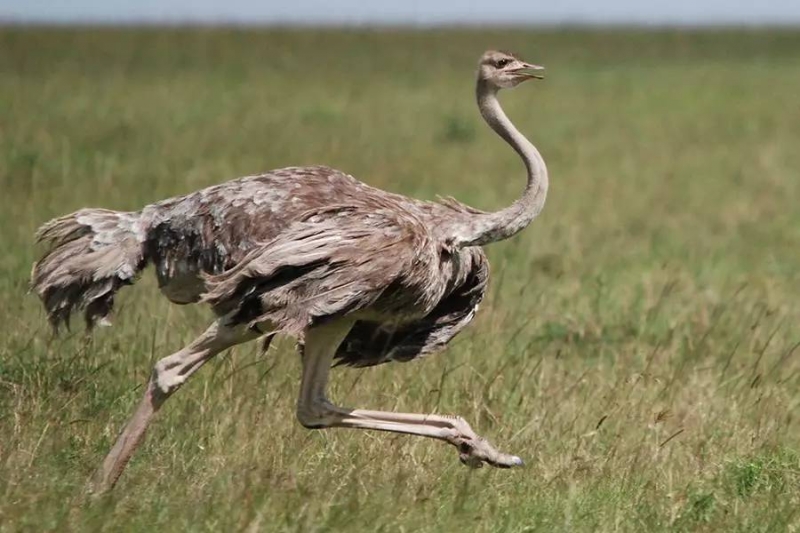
<point x="639" y="346"/>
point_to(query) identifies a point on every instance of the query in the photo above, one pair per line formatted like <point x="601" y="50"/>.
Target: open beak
<point x="530" y="71"/>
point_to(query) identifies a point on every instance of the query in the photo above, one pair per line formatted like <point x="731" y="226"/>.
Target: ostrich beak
<point x="528" y="71"/>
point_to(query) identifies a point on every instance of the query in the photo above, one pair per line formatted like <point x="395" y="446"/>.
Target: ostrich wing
<point x="372" y="343"/>
<point x="337" y="260"/>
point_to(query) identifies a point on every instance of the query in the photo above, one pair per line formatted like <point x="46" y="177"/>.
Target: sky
<point x="406" y="12"/>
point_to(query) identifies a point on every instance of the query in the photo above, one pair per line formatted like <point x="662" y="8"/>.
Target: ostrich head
<point x="501" y="70"/>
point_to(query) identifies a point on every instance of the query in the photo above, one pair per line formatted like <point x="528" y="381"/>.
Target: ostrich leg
<point x="168" y="375"/>
<point x="314" y="411"/>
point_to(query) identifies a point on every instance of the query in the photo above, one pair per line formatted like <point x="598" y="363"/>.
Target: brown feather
<point x="293" y="247"/>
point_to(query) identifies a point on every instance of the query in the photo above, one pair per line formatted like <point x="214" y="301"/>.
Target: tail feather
<point x="92" y="254"/>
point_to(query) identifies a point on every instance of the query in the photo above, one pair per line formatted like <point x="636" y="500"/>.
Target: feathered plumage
<point x="295" y="247"/>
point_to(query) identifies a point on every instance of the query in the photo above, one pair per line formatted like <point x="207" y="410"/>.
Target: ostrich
<point x="357" y="275"/>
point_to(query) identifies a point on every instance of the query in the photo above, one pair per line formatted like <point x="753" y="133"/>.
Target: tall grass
<point x="639" y="347"/>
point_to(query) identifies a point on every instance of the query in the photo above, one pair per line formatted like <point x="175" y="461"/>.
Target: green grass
<point x="639" y="345"/>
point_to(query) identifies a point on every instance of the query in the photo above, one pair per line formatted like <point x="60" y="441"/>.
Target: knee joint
<point x="166" y="378"/>
<point x="314" y="416"/>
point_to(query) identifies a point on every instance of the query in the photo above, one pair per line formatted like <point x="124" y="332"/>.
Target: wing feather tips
<point x="252" y="295"/>
<point x="372" y="343"/>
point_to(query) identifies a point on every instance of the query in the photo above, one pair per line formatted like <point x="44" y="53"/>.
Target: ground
<point x="638" y="348"/>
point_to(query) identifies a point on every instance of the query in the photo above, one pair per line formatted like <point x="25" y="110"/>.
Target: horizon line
<point x="566" y="23"/>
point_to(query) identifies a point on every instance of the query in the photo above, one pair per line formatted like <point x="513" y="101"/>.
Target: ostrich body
<point x="358" y="275"/>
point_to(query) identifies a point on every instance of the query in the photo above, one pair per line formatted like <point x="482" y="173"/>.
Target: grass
<point x="639" y="346"/>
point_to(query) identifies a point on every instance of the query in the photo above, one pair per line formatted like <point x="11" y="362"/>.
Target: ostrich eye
<point x="503" y="62"/>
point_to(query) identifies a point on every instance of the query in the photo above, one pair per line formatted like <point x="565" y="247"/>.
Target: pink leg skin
<point x="168" y="375"/>
<point x="316" y="412"/>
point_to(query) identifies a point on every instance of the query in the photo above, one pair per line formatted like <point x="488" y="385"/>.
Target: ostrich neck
<point x="484" y="228"/>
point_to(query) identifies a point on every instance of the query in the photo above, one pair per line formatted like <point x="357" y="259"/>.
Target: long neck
<point x="492" y="227"/>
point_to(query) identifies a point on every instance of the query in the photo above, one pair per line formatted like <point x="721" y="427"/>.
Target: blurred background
<point x="413" y="12"/>
<point x="638" y="346"/>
